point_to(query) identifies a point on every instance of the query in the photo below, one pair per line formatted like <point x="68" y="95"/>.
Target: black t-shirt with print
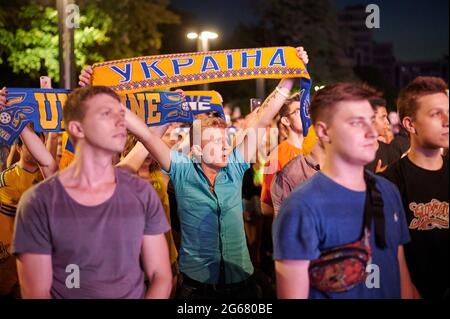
<point x="425" y="198"/>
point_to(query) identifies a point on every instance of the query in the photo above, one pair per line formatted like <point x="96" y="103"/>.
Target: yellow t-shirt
<point x="14" y="181"/>
<point x="157" y="180"/>
<point x="67" y="155"/>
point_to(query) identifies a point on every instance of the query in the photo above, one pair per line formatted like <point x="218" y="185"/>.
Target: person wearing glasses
<point x="290" y="122"/>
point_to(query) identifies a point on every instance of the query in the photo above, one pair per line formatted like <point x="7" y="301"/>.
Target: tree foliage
<point x="29" y="41"/>
<point x="313" y="25"/>
<point x="33" y="47"/>
<point x="136" y="26"/>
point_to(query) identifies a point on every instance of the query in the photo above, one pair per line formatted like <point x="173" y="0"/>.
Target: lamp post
<point x="203" y="44"/>
<point x="67" y="71"/>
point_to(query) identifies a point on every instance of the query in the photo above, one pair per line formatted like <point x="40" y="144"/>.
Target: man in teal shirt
<point x="213" y="245"/>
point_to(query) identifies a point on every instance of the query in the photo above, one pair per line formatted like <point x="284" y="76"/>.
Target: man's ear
<point x="284" y="120"/>
<point x="408" y="124"/>
<point x="75" y="129"/>
<point x="321" y="129"/>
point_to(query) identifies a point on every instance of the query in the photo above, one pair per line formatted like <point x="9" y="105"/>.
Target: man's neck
<point x="426" y="158"/>
<point x="90" y="168"/>
<point x="295" y="139"/>
<point x="318" y="154"/>
<point x="344" y="173"/>
<point x="210" y="173"/>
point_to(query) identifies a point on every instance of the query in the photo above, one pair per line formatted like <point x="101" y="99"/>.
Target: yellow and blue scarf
<point x="176" y="70"/>
<point x="43" y="107"/>
<point x="130" y="77"/>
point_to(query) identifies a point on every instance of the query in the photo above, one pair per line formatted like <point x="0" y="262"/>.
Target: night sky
<point x="418" y="29"/>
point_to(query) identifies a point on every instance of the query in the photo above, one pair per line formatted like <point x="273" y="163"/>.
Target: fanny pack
<point x="341" y="268"/>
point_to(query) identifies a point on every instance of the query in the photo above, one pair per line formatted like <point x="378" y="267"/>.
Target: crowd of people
<point x="232" y="209"/>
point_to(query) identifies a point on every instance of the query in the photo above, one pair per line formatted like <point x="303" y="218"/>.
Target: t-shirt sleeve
<point x="31" y="229"/>
<point x="276" y="190"/>
<point x="295" y="232"/>
<point x="155" y="218"/>
<point x="279" y="190"/>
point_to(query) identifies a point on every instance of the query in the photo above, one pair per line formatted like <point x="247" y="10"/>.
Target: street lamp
<point x="202" y="39"/>
<point x="202" y="43"/>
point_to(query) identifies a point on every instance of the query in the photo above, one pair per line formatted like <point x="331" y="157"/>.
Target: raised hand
<point x="85" y="76"/>
<point x="302" y="55"/>
<point x="3" y="98"/>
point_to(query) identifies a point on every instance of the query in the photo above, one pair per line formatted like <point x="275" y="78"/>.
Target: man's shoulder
<point x="287" y="151"/>
<point x="8" y="175"/>
<point x="385" y="185"/>
<point x="311" y="189"/>
<point x="293" y="170"/>
<point x="395" y="170"/>
<point x="180" y="161"/>
<point x="38" y="192"/>
<point x="304" y="201"/>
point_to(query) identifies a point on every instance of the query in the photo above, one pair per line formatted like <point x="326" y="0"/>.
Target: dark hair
<point x="284" y="110"/>
<point x="324" y="101"/>
<point x="377" y="102"/>
<point x="420" y="86"/>
<point x="75" y="106"/>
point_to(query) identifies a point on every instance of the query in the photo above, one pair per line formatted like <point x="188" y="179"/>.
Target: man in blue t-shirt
<point x="327" y="211"/>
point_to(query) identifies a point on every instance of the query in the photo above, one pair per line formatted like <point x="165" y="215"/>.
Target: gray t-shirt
<point x="297" y="171"/>
<point x="103" y="241"/>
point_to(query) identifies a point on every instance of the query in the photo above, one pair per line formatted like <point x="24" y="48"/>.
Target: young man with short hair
<point x="386" y="154"/>
<point x="328" y="210"/>
<point x="92" y="230"/>
<point x="422" y="178"/>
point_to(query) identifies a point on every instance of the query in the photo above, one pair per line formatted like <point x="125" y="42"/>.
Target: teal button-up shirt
<point x="212" y="228"/>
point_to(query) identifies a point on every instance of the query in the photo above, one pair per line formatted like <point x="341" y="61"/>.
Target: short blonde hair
<point x="208" y="120"/>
